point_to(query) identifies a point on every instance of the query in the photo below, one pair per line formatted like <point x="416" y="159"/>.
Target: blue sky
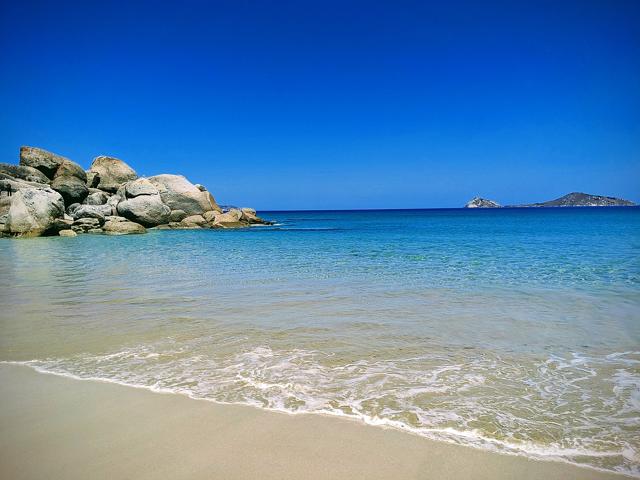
<point x="312" y="105"/>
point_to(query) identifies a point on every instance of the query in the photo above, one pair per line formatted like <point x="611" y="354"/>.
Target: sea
<point x="510" y="330"/>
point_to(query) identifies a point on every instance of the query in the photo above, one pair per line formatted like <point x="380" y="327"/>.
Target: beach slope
<point x="59" y="428"/>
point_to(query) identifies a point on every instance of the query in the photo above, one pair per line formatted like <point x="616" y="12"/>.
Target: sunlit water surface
<point x="511" y="330"/>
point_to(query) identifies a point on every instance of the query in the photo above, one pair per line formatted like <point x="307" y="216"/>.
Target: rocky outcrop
<point x="180" y="194"/>
<point x="23" y="172"/>
<point x="40" y="159"/>
<point x="33" y="212"/>
<point x="478" y="202"/>
<point x="111" y="172"/>
<point x="107" y="198"/>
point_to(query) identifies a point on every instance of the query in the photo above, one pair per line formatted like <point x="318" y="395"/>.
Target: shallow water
<point x="513" y="330"/>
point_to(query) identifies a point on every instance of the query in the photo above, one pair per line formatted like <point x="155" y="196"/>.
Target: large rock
<point x="148" y="210"/>
<point x="33" y="212"/>
<point x="230" y="219"/>
<point x="138" y="187"/>
<point x="96" y="198"/>
<point x="86" y="224"/>
<point x="70" y="180"/>
<point x="178" y="215"/>
<point x="180" y="194"/>
<point x="40" y="159"/>
<point x="121" y="226"/>
<point x="24" y="172"/>
<point x="5" y="204"/>
<point x="98" y="212"/>
<point x="194" y="221"/>
<point x="114" y="200"/>
<point x="112" y="173"/>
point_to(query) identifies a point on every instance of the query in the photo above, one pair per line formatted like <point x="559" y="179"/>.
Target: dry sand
<point x="58" y="428"/>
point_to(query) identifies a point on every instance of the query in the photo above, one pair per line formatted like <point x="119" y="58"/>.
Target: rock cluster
<point x="47" y="194"/>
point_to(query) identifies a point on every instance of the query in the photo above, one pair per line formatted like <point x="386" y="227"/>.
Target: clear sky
<point x="311" y="105"/>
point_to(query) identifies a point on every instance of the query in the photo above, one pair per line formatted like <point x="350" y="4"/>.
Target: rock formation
<point x="579" y="199"/>
<point x="53" y="195"/>
<point x="478" y="202"/>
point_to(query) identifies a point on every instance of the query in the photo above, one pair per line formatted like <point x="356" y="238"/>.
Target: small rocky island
<point x="478" y="202"/>
<point x="573" y="199"/>
<point x="47" y="194"/>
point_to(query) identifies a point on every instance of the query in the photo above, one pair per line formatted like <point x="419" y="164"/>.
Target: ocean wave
<point x="579" y="409"/>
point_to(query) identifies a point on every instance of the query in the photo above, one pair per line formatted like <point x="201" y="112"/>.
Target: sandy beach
<point x="59" y="428"/>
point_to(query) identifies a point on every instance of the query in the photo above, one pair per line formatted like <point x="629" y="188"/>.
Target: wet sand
<point x="58" y="428"/>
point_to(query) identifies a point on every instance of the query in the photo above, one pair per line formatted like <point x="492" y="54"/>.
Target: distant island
<point x="573" y="199"/>
<point x="47" y="194"/>
<point x="478" y="202"/>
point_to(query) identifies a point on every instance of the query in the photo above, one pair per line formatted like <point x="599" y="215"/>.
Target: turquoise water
<point x="514" y="330"/>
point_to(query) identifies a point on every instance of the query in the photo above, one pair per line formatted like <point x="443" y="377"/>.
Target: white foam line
<point x="430" y="434"/>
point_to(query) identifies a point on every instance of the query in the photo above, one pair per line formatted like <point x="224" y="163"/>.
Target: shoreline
<point x="413" y="455"/>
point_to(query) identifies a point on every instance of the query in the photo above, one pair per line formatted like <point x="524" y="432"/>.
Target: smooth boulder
<point x="138" y="187"/>
<point x="112" y="173"/>
<point x="148" y="210"/>
<point x="98" y="212"/>
<point x="33" y="212"/>
<point x="122" y="226"/>
<point x="180" y="194"/>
